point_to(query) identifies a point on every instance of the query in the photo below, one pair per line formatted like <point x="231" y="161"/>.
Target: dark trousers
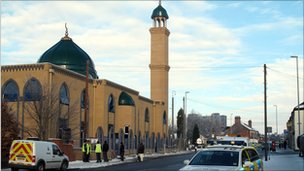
<point x="84" y="157"/>
<point x="122" y="156"/>
<point x="88" y="157"/>
<point x="105" y="156"/>
<point x="98" y="157"/>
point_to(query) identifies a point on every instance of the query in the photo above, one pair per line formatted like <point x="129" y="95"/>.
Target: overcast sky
<point x="216" y="49"/>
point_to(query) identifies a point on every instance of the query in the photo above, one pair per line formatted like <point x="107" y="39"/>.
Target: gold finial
<point x="66" y="36"/>
<point x="66" y="30"/>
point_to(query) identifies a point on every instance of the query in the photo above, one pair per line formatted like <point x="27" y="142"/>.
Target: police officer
<point x="84" y="151"/>
<point x="88" y="151"/>
<point x="98" y="152"/>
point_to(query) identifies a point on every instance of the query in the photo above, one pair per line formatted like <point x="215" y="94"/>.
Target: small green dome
<point x="69" y="55"/>
<point x="159" y="12"/>
<point x="125" y="99"/>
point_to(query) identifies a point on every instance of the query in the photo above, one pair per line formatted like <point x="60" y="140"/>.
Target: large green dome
<point x="159" y="12"/>
<point x="69" y="55"/>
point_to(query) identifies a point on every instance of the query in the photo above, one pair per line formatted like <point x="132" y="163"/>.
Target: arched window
<point x="125" y="99"/>
<point x="32" y="90"/>
<point x="82" y="99"/>
<point x="164" y="118"/>
<point x="10" y="91"/>
<point x="111" y="104"/>
<point x="64" y="94"/>
<point x="147" y="117"/>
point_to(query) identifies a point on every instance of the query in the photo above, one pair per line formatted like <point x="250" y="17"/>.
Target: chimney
<point x="237" y="120"/>
<point x="250" y="123"/>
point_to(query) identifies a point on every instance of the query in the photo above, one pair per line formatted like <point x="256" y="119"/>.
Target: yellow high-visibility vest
<point x="98" y="148"/>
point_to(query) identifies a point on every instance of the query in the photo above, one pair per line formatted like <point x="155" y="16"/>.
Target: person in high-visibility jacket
<point x="88" y="151"/>
<point x="98" y="150"/>
<point x="84" y="151"/>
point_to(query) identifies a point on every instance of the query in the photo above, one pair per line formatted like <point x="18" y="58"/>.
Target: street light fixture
<point x="276" y="118"/>
<point x="298" y="92"/>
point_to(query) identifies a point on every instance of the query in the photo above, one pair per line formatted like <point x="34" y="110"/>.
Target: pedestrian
<point x="105" y="149"/>
<point x="98" y="152"/>
<point x="122" y="151"/>
<point x="140" y="152"/>
<point x="84" y="151"/>
<point x="285" y="144"/>
<point x="88" y="151"/>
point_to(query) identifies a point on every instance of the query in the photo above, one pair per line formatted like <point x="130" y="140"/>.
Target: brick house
<point x="240" y="129"/>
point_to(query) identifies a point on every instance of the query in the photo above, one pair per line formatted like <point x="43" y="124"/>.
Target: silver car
<point x="226" y="157"/>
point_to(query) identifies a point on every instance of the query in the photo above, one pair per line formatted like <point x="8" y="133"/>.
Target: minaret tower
<point x="159" y="67"/>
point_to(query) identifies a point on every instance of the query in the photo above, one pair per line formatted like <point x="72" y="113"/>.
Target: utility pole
<point x="86" y="101"/>
<point x="265" y="111"/>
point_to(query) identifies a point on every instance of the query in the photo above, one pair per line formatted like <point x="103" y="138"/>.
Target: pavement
<point x="283" y="160"/>
<point x="79" y="164"/>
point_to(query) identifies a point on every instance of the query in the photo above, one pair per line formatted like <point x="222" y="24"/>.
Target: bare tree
<point x="9" y="131"/>
<point x="47" y="110"/>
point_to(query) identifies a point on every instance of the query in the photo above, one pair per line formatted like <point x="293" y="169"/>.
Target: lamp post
<point x="185" y="115"/>
<point x="276" y="118"/>
<point x="298" y="92"/>
<point x="173" y="94"/>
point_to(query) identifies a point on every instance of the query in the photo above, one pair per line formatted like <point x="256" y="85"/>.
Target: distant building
<point x="293" y="127"/>
<point x="240" y="129"/>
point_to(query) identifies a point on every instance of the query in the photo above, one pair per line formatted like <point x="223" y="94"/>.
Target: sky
<point x="217" y="49"/>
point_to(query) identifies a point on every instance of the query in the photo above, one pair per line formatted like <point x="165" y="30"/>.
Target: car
<point x="37" y="155"/>
<point x="225" y="157"/>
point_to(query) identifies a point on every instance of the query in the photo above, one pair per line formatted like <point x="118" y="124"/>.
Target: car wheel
<point x="40" y="166"/>
<point x="64" y="166"/>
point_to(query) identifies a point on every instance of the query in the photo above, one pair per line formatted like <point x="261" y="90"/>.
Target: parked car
<point x="225" y="157"/>
<point x="37" y="155"/>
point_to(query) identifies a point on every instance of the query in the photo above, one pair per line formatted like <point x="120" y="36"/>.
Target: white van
<point x="38" y="155"/>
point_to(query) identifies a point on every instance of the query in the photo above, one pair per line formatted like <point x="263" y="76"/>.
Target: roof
<point x="247" y="127"/>
<point x="69" y="55"/>
<point x="159" y="12"/>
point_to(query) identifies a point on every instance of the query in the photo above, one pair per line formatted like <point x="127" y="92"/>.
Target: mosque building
<point x="61" y="96"/>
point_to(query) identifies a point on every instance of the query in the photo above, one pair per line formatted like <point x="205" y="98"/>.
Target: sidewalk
<point x="79" y="164"/>
<point x="284" y="160"/>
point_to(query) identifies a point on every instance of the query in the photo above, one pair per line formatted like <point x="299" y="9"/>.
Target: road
<point x="165" y="163"/>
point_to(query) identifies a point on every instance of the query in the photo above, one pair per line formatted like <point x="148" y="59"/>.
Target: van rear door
<point x="21" y="152"/>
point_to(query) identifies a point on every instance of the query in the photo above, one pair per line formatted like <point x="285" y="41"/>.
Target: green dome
<point x="159" y="12"/>
<point x="69" y="55"/>
<point x="125" y="99"/>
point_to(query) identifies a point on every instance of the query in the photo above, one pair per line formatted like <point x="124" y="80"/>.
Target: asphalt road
<point x="164" y="163"/>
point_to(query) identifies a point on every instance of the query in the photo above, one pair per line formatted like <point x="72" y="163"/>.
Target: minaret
<point x="159" y="66"/>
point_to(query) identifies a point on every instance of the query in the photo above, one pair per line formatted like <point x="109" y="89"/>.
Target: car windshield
<point x="219" y="158"/>
<point x="227" y="142"/>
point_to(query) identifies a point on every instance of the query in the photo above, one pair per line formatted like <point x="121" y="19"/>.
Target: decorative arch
<point x="125" y="99"/>
<point x="64" y="94"/>
<point x="111" y="104"/>
<point x="10" y="91"/>
<point x="147" y="117"/>
<point x="32" y="90"/>
<point x="164" y="118"/>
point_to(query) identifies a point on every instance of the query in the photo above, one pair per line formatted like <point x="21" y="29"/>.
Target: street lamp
<point x="185" y="115"/>
<point x="298" y="92"/>
<point x="276" y="118"/>
<point x="173" y="94"/>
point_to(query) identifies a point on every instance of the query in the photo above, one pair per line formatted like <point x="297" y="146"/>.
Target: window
<point x="56" y="150"/>
<point x="111" y="104"/>
<point x="219" y="158"/>
<point x="253" y="155"/>
<point x="32" y="90"/>
<point x="82" y="102"/>
<point x="164" y="118"/>
<point x="10" y="91"/>
<point x="64" y="95"/>
<point x="147" y="117"/>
